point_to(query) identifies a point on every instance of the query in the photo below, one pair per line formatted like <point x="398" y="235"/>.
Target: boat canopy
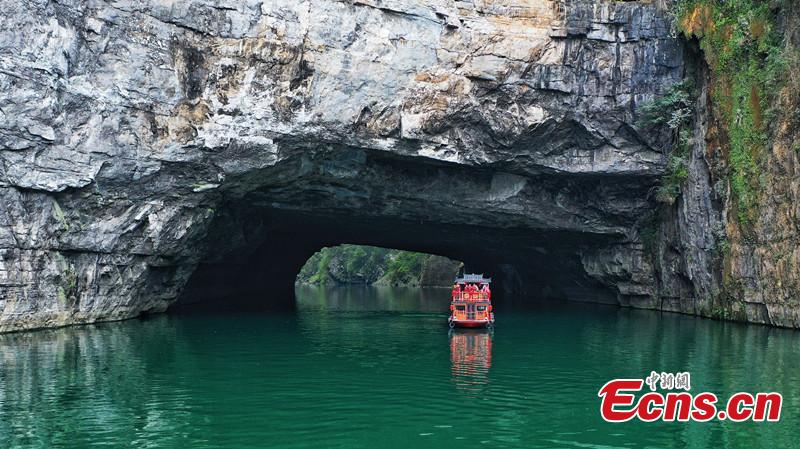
<point x="473" y="279"/>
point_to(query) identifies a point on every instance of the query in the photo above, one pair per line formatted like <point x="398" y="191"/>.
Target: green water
<point x="372" y="368"/>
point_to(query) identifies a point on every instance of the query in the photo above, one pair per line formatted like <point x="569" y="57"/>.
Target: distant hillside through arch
<point x="371" y="265"/>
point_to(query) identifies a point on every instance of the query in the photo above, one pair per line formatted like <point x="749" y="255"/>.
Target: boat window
<point x="461" y="308"/>
<point x="481" y="308"/>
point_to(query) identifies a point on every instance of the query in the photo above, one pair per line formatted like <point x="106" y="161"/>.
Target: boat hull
<point x="470" y="323"/>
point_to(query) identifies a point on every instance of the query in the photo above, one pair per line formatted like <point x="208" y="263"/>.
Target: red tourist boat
<point x="471" y="305"/>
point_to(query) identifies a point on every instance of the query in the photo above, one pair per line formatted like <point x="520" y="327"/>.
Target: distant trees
<point x="357" y="264"/>
<point x="404" y="267"/>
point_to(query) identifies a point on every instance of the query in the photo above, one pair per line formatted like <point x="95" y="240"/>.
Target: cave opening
<point x="264" y="275"/>
<point x="540" y="237"/>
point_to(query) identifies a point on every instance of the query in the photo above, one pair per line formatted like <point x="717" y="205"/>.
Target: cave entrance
<point x="259" y="254"/>
<point x="539" y="236"/>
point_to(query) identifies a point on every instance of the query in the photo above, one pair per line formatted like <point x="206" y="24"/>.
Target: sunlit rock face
<point x="144" y="141"/>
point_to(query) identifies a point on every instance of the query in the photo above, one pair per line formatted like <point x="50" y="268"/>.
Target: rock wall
<point x="732" y="240"/>
<point x="439" y="271"/>
<point x="762" y="266"/>
<point x="144" y="145"/>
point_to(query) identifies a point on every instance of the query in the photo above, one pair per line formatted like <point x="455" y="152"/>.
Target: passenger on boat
<point x="486" y="291"/>
<point x="456" y="291"/>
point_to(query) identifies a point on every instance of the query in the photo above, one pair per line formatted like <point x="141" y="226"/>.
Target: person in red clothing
<point x="456" y="291"/>
<point x="486" y="291"/>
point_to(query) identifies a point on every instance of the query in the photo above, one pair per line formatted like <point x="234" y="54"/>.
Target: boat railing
<point x="471" y="296"/>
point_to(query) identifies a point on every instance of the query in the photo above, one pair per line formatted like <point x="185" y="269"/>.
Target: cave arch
<point x="542" y="236"/>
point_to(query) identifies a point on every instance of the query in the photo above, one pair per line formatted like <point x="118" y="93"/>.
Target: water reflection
<point x="368" y="298"/>
<point x="471" y="358"/>
<point x="68" y="387"/>
<point x="341" y="373"/>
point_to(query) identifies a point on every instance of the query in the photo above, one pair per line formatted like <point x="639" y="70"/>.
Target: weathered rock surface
<point x="142" y="142"/>
<point x="439" y="271"/>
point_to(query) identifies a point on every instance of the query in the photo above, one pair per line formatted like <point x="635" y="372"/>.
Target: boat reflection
<point x="470" y="358"/>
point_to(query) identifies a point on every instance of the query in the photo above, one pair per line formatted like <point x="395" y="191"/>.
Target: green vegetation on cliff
<point x="752" y="52"/>
<point x="674" y="109"/>
<point x="745" y="54"/>
<point x="357" y="264"/>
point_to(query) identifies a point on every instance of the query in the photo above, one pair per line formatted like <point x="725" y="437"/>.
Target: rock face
<point x="156" y="148"/>
<point x="738" y="244"/>
<point x="439" y="272"/>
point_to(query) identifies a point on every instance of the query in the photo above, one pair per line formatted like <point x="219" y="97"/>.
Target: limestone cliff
<point x="736" y="227"/>
<point x="157" y="149"/>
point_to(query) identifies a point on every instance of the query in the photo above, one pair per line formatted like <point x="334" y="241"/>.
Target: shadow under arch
<point x="253" y="267"/>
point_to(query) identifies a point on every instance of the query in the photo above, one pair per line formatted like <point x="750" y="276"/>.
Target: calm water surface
<point x="377" y="368"/>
